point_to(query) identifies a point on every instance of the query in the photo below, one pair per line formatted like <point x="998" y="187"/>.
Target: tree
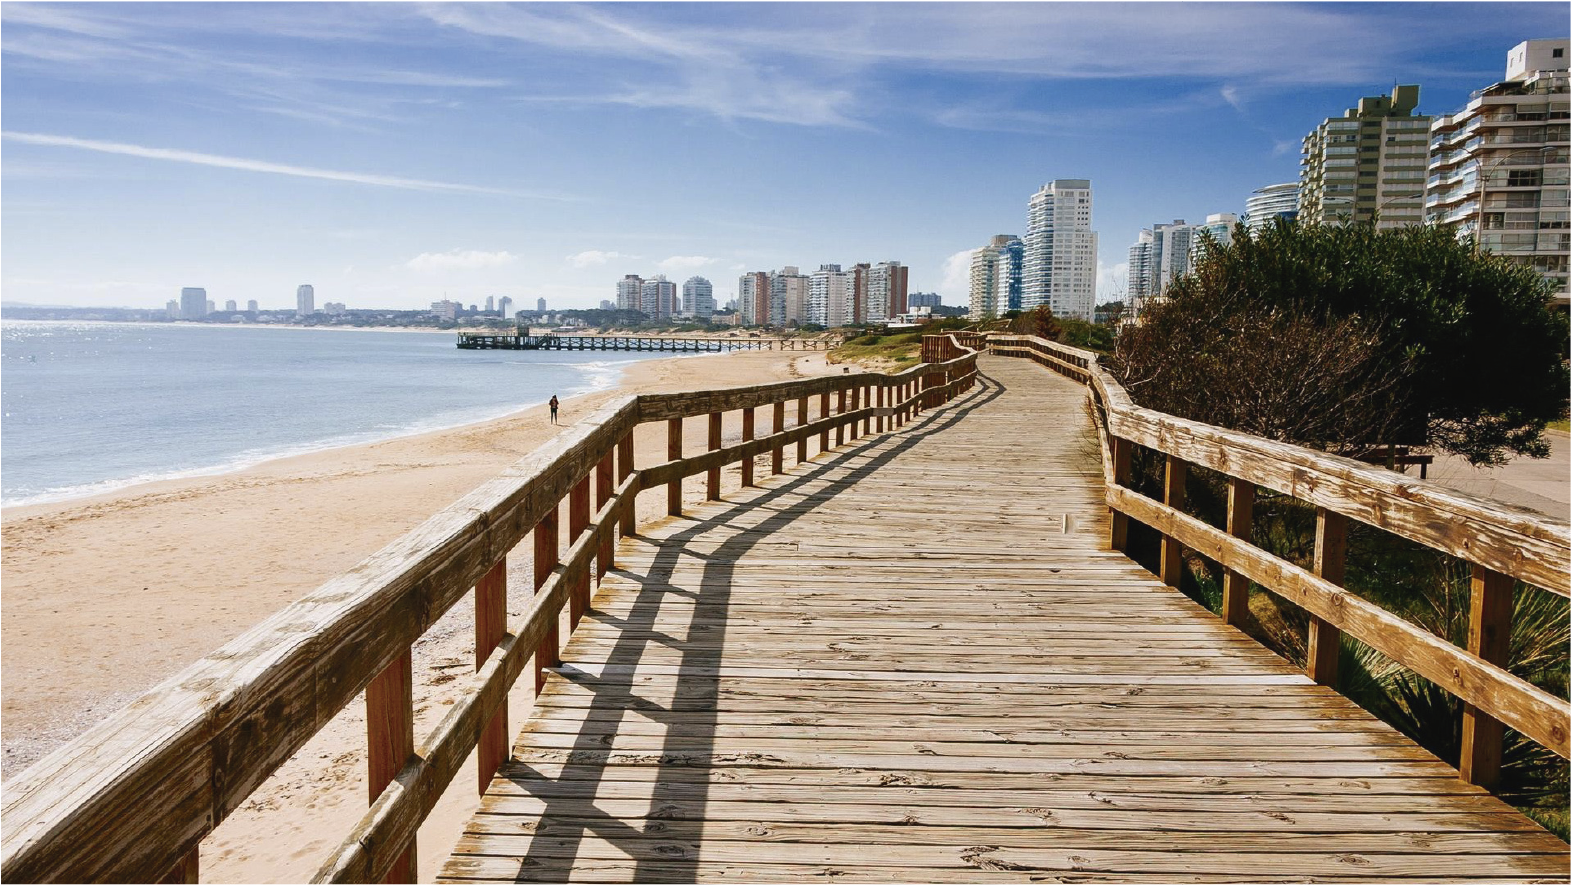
<point x="1339" y="337"/>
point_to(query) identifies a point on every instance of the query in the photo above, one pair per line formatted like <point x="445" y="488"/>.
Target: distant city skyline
<point x="401" y="154"/>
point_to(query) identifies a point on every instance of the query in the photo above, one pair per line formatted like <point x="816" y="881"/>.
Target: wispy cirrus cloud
<point x="591" y="258"/>
<point x="459" y="260"/>
<point x="680" y="264"/>
<point x="262" y="166"/>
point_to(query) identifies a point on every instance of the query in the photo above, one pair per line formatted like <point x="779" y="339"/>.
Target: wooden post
<point x="840" y="409"/>
<point x="578" y="521"/>
<point x="390" y="739"/>
<point x="1331" y="544"/>
<point x="712" y="478"/>
<point x="545" y="561"/>
<point x="882" y="397"/>
<point x="673" y="453"/>
<point x="1236" y="588"/>
<point x="865" y="400"/>
<point x="824" y="412"/>
<point x="1490" y="638"/>
<point x="1119" y="524"/>
<point x="491" y="622"/>
<point x="778" y="456"/>
<point x="603" y="492"/>
<point x="747" y="434"/>
<point x="624" y="471"/>
<point x="851" y="406"/>
<point x="802" y="419"/>
<point x="1174" y="473"/>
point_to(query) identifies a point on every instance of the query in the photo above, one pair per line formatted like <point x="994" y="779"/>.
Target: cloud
<point x="1112" y="281"/>
<point x="248" y="165"/>
<point x="1231" y="95"/>
<point x="590" y="258"/>
<point x="678" y="264"/>
<point x="956" y="279"/>
<point x="459" y="260"/>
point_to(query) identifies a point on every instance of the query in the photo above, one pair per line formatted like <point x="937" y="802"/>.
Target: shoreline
<point x="108" y="595"/>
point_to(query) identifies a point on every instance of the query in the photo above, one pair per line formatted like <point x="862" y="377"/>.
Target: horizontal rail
<point x="1499" y="539"/>
<point x="131" y="799"/>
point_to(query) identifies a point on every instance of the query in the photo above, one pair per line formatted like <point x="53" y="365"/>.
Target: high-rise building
<point x="628" y="292"/>
<point x="886" y="291"/>
<point x="788" y="297"/>
<point x="657" y="298"/>
<point x="1219" y="226"/>
<point x="924" y="300"/>
<point x="995" y="277"/>
<point x="1138" y="274"/>
<point x="540" y="305"/>
<point x="305" y="300"/>
<point x="210" y="308"/>
<point x="193" y="303"/>
<point x="505" y="306"/>
<point x="491" y="304"/>
<point x="1272" y="202"/>
<point x="857" y="300"/>
<point x="229" y="305"/>
<point x="1059" y="266"/>
<point x="607" y="304"/>
<point x="252" y="306"/>
<point x="753" y="298"/>
<point x="1367" y="165"/>
<point x="1499" y="167"/>
<point x="698" y="298"/>
<point x="172" y="309"/>
<point x="830" y="300"/>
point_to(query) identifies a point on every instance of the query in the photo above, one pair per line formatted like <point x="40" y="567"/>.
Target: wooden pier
<point x="674" y="344"/>
<point x="909" y="649"/>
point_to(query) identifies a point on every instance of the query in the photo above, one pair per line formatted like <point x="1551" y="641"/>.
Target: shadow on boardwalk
<point x="690" y="714"/>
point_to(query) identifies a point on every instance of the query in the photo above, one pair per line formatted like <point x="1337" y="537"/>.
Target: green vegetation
<point x="1422" y="341"/>
<point x="901" y="348"/>
<point x="1041" y="322"/>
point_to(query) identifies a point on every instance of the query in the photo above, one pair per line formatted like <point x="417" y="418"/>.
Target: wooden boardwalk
<point x="917" y="661"/>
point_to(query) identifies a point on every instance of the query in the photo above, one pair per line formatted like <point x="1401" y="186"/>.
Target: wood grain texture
<point x="792" y="685"/>
<point x="1490" y="638"/>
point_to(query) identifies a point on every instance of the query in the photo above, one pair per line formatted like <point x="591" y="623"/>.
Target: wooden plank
<point x="545" y="561"/>
<point x="1175" y="470"/>
<point x="625" y="470"/>
<point x="578" y="521"/>
<point x="491" y="619"/>
<point x="712" y="478"/>
<point x="605" y="483"/>
<point x="1490" y="638"/>
<point x="674" y="453"/>
<point x="778" y="454"/>
<point x="1119" y="524"/>
<point x="802" y="419"/>
<point x="747" y="435"/>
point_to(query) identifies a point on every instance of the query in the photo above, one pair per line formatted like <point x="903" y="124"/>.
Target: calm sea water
<point x="92" y="407"/>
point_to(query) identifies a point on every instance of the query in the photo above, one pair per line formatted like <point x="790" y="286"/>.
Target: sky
<point x="395" y="154"/>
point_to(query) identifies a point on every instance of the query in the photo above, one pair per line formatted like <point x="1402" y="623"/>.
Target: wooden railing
<point x="131" y="800"/>
<point x="1501" y="542"/>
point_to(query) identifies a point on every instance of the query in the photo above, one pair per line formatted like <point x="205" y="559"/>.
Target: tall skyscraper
<point x="1272" y="202"/>
<point x="1219" y="226"/>
<point x="193" y="303"/>
<point x="540" y="305"/>
<point x="505" y="306"/>
<point x="1138" y="273"/>
<point x="753" y="298"/>
<point x="788" y="297"/>
<point x="1368" y="164"/>
<point x="252" y="306"/>
<point x="858" y="299"/>
<point x="172" y="309"/>
<point x="830" y="301"/>
<point x="698" y="298"/>
<point x="658" y="298"/>
<point x="924" y="300"/>
<point x="886" y="291"/>
<point x="229" y="305"/>
<point x="995" y="277"/>
<point x="491" y="304"/>
<point x="628" y="292"/>
<point x="305" y="300"/>
<point x="1059" y="267"/>
<point x="1499" y="167"/>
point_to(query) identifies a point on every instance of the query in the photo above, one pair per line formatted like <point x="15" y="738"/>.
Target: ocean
<point x="87" y="408"/>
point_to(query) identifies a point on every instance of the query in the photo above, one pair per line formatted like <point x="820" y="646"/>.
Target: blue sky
<point x="391" y="154"/>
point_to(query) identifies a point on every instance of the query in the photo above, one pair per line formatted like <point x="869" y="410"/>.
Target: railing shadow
<point x="668" y="845"/>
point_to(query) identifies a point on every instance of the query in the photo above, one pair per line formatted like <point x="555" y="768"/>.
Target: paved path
<point x="1543" y="484"/>
<point x="918" y="662"/>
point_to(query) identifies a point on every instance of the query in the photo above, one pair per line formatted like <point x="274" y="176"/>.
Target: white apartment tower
<point x="830" y="301"/>
<point x="988" y="298"/>
<point x="788" y="297"/>
<point x="698" y="298"/>
<point x="629" y="292"/>
<point x="885" y="295"/>
<point x="1138" y="275"/>
<point x="1499" y="167"/>
<point x="1367" y="165"/>
<point x="1270" y="203"/>
<point x="658" y="298"/>
<point x="1059" y="265"/>
<point x="753" y="298"/>
<point x="305" y="300"/>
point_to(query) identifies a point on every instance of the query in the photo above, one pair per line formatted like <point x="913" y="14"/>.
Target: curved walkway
<point x="917" y="661"/>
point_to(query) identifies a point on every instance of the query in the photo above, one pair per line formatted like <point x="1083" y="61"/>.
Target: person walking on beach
<point x="553" y="405"/>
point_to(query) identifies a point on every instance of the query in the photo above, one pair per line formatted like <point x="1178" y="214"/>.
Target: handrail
<point x="1502" y="542"/>
<point x="131" y="799"/>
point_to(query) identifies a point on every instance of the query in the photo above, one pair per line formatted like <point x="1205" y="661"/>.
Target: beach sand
<point x="105" y="597"/>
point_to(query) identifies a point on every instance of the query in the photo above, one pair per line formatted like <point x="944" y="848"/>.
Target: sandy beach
<point x="104" y="597"/>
